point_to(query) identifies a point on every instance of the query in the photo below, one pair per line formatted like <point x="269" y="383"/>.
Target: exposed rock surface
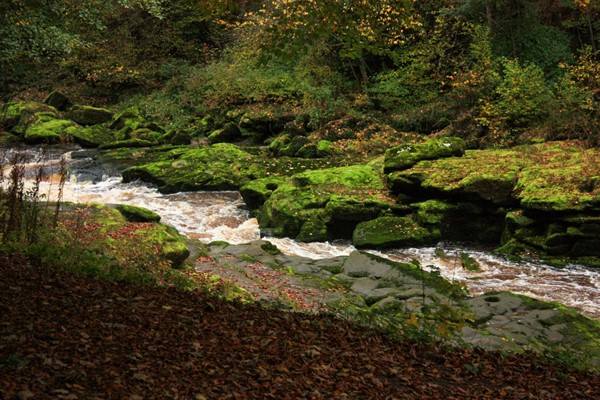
<point x="395" y="292"/>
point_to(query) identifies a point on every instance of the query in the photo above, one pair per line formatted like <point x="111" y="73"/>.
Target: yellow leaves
<point x="582" y="3"/>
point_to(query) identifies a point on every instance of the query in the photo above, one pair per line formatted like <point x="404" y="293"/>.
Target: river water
<point x="210" y="216"/>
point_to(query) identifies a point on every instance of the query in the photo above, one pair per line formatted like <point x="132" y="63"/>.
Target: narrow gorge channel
<point x="223" y="216"/>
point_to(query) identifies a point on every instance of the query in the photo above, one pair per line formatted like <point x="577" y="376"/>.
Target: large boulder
<point x="15" y="116"/>
<point x="325" y="204"/>
<point x="408" y="154"/>
<point x="389" y="231"/>
<point x="92" y="136"/>
<point x="86" y="115"/>
<point x="45" y="128"/>
<point x="221" y="166"/>
<point x="487" y="176"/>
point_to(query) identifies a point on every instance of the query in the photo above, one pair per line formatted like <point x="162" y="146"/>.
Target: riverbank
<point x="68" y="336"/>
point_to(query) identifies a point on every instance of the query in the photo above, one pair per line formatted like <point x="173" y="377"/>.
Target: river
<point x="210" y="216"/>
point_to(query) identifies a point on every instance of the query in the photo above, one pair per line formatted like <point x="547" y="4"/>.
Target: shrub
<point x="520" y="101"/>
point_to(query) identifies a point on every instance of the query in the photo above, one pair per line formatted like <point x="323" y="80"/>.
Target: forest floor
<point x="65" y="336"/>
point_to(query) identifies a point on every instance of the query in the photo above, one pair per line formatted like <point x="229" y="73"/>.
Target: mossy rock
<point x="581" y="333"/>
<point x="266" y="123"/>
<point x="324" y="148"/>
<point x="157" y="242"/>
<point x="331" y="200"/>
<point x="433" y="212"/>
<point x="562" y="177"/>
<point x="127" y="143"/>
<point x="91" y="136"/>
<point x="128" y="120"/>
<point x="86" y="115"/>
<point x="408" y="154"/>
<point x="15" y="116"/>
<point x="145" y="134"/>
<point x="221" y="166"/>
<point x="229" y="133"/>
<point x="387" y="232"/>
<point x="480" y="175"/>
<point x="138" y="214"/>
<point x="279" y="143"/>
<point x="46" y="129"/>
<point x="307" y="151"/>
<point x="257" y="192"/>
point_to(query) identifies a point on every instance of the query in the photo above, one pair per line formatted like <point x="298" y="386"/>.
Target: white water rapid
<point x="210" y="216"/>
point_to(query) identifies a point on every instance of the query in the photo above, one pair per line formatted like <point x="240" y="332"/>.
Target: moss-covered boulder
<point x="229" y="133"/>
<point x="145" y="245"/>
<point x="386" y="232"/>
<point x="138" y="214"/>
<point x="45" y="128"/>
<point x="480" y="175"/>
<point x="324" y="204"/>
<point x="408" y="154"/>
<point x="86" y="115"/>
<point x="128" y="120"/>
<point x="265" y="123"/>
<point x="257" y="192"/>
<point x="92" y="136"/>
<point x="15" y="116"/>
<point x="221" y="166"/>
<point x="324" y="148"/>
<point x="572" y="237"/>
<point x="560" y="177"/>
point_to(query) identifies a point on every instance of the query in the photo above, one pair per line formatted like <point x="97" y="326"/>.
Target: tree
<point x="38" y="30"/>
<point x="354" y="28"/>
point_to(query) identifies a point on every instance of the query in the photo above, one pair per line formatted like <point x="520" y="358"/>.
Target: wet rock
<point x="309" y="206"/>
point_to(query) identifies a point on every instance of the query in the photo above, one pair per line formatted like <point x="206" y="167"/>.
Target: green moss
<point x="86" y="115"/>
<point x="46" y="129"/>
<point x="218" y="167"/>
<point x="388" y="232"/>
<point x="138" y="214"/>
<point x="433" y="212"/>
<point x="318" y="204"/>
<point x="408" y="154"/>
<point x="128" y="120"/>
<point x="91" y="136"/>
<point x="16" y="115"/>
<point x="132" y="143"/>
<point x="257" y="192"/>
<point x="324" y="148"/>
<point x="229" y="133"/>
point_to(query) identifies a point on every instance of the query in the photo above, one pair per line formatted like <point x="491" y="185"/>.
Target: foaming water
<point x="210" y="216"/>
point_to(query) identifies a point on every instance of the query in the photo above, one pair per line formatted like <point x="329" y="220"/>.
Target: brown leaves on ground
<point x="70" y="337"/>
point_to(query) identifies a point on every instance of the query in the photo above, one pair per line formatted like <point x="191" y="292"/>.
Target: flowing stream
<point x="210" y="216"/>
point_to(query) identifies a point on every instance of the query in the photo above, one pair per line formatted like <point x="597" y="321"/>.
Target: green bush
<point x="576" y="112"/>
<point x="520" y="100"/>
